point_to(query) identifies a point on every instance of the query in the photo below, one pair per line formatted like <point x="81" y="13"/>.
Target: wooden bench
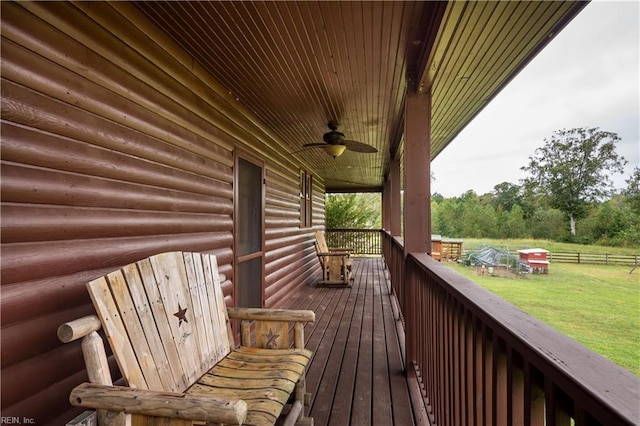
<point x="335" y="262"/>
<point x="169" y="329"/>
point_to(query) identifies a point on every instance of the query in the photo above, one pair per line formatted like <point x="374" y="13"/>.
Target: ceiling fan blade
<point x="311" y="145"/>
<point x="359" y="147"/>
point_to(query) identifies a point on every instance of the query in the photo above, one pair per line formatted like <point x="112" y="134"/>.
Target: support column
<point x="417" y="171"/>
<point x="386" y="202"/>
<point x="395" y="215"/>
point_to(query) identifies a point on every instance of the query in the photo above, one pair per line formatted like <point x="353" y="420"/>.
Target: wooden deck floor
<point x="356" y="376"/>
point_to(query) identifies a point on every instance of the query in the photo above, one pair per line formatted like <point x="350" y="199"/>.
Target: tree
<point x="573" y="168"/>
<point x="632" y="192"/>
<point x="511" y="224"/>
<point x="546" y="224"/>
<point x="477" y="220"/>
<point x="361" y="210"/>
<point x="506" y="195"/>
<point x="446" y="218"/>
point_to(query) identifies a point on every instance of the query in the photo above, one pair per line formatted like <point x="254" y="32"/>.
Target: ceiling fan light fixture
<point x="334" y="150"/>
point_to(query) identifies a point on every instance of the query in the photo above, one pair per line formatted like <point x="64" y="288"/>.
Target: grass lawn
<point x="599" y="306"/>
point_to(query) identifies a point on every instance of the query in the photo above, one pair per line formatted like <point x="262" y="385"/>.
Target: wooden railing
<point x="480" y="360"/>
<point x="393" y="253"/>
<point x="361" y="241"/>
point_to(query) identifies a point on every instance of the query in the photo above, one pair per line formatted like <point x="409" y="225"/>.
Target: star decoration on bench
<point x="271" y="338"/>
<point x="181" y="315"/>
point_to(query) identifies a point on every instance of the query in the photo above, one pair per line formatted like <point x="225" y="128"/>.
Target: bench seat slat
<point x="231" y="383"/>
<point x="262" y="366"/>
<point x="259" y="418"/>
<point x="253" y="374"/>
<point x="301" y="356"/>
<point x="244" y="394"/>
<point x="261" y="352"/>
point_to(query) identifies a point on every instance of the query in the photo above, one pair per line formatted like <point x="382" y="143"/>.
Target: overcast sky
<point x="588" y="76"/>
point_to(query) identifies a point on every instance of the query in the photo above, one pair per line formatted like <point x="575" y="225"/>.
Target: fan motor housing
<point x="333" y="137"/>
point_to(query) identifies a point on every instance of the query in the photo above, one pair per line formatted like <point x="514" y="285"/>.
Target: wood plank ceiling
<point x="297" y="65"/>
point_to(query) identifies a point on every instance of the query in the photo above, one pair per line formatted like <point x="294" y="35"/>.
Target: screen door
<point x="249" y="225"/>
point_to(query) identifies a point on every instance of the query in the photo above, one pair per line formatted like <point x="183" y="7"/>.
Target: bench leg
<point x="303" y="399"/>
<point x="305" y="421"/>
<point x="295" y="417"/>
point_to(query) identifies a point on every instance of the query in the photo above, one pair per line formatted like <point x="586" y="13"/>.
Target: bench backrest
<point x="165" y="319"/>
<point x="321" y="242"/>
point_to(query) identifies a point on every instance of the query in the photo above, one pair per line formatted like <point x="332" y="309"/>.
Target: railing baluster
<point x="469" y="363"/>
<point x="488" y="372"/>
<point x="478" y="370"/>
<point x="556" y="410"/>
<point x="534" y="397"/>
<point x="515" y="385"/>
<point x="500" y="381"/>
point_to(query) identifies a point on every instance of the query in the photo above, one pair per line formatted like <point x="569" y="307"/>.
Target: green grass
<point x="599" y="306"/>
<point x="552" y="246"/>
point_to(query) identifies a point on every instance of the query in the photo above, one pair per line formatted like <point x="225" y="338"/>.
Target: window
<point x="306" y="207"/>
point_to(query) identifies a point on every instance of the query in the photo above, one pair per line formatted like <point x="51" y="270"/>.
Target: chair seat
<point x="249" y="374"/>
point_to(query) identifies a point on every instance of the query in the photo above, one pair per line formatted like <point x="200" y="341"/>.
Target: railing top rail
<point x="398" y="240"/>
<point x="353" y="230"/>
<point x="572" y="366"/>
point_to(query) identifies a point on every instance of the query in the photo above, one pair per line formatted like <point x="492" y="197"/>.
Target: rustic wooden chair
<point x="335" y="262"/>
<point x="167" y="324"/>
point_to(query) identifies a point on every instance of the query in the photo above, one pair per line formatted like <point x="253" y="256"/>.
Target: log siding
<point x="116" y="146"/>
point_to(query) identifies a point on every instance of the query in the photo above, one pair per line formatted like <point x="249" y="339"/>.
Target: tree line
<point x="567" y="196"/>
<point x="511" y="211"/>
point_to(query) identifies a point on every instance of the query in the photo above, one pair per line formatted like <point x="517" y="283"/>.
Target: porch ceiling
<point x="297" y="65"/>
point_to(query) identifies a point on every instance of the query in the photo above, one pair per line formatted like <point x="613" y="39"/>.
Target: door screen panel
<point x="249" y="229"/>
<point x="249" y="219"/>
<point x="249" y="279"/>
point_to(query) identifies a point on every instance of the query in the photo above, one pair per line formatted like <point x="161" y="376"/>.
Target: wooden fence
<point x="368" y="242"/>
<point x="599" y="259"/>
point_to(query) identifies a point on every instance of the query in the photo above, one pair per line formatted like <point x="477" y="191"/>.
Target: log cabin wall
<point x="115" y="146"/>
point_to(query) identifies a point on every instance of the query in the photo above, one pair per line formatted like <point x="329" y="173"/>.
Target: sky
<point x="587" y="76"/>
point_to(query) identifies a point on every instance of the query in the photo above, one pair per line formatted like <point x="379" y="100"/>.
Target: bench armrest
<point x="334" y="253"/>
<point x="348" y="250"/>
<point x="159" y="403"/>
<point x="262" y="314"/>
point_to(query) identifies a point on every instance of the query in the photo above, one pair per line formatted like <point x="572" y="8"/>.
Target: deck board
<point x="356" y="375"/>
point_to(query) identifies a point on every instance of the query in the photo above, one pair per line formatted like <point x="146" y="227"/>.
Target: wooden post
<point x="95" y="359"/>
<point x="298" y="335"/>
<point x="245" y="333"/>
<point x="386" y="204"/>
<point x="395" y="215"/>
<point x="417" y="172"/>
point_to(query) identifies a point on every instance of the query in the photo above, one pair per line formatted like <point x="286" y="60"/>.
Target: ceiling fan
<point x="335" y="144"/>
